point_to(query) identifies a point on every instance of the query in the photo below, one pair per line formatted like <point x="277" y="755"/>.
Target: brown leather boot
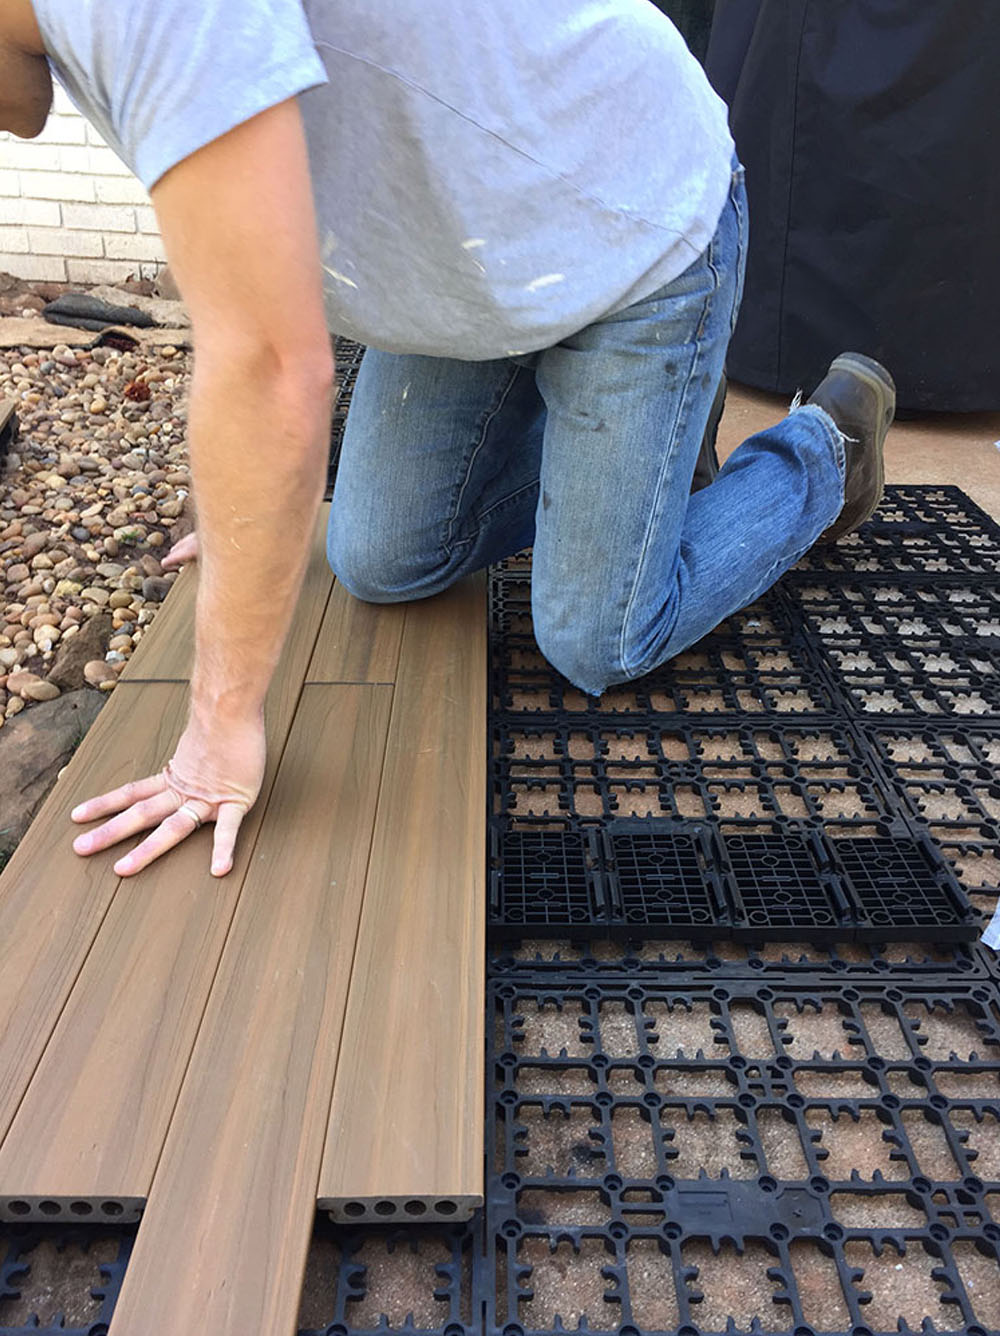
<point x="860" y="396"/>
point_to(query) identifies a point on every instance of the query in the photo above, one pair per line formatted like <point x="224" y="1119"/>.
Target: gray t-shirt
<point x="489" y="178"/>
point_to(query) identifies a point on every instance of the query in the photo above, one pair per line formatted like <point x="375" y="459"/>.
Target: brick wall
<point x="70" y="209"/>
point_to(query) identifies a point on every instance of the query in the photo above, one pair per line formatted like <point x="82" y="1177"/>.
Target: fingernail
<point x="76" y="814"/>
<point x="82" y="844"/>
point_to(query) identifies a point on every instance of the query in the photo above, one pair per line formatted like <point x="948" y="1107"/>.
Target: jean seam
<point x="683" y="407"/>
<point x="710" y="297"/>
<point x="742" y="230"/>
<point x="474" y="453"/>
<point x="505" y="501"/>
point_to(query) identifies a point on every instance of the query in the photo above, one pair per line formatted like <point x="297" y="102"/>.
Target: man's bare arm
<point x="239" y="228"/>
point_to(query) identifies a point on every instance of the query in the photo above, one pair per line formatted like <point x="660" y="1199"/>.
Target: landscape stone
<point x="90" y="642"/>
<point x="155" y="588"/>
<point x="97" y="672"/>
<point x="34" y="747"/>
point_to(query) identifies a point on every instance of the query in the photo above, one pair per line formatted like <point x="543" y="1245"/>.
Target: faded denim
<point x="586" y="450"/>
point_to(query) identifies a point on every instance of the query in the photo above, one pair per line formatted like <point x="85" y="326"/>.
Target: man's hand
<point x="183" y="551"/>
<point x="213" y="776"/>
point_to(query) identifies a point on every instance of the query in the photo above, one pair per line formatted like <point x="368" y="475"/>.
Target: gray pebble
<point x="155" y="589"/>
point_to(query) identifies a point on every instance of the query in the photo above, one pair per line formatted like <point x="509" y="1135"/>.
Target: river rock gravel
<point x="92" y="495"/>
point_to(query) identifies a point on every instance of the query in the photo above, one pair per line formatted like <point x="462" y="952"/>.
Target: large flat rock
<point x="34" y="747"/>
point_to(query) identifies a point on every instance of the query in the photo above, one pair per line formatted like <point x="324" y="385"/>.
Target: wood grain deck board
<point x="91" y="1130"/>
<point x="166" y="652"/>
<point x="52" y="902"/>
<point x="223" y="1242"/>
<point x="357" y="642"/>
<point x="8" y="410"/>
<point x="405" y="1136"/>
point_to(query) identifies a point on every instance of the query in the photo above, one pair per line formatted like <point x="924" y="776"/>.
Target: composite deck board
<point x="405" y="1137"/>
<point x="166" y="652"/>
<point x="7" y="423"/>
<point x="52" y="902"/>
<point x="93" y="1121"/>
<point x="223" y="1241"/>
<point x="357" y="642"/>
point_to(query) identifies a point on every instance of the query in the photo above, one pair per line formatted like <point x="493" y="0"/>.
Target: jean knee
<point x="580" y="653"/>
<point x="363" y="569"/>
<point x="379" y="573"/>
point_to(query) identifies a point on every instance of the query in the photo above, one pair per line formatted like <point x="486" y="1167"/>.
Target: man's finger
<point x="227" y="825"/>
<point x="167" y="834"/>
<point x="118" y="799"/>
<point x="140" y="816"/>
<point x="186" y="549"/>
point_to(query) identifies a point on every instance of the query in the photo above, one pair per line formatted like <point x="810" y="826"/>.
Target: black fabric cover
<point x="693" y="18"/>
<point x="870" y="131"/>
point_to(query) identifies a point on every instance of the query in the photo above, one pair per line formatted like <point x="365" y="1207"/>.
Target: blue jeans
<point x="585" y="450"/>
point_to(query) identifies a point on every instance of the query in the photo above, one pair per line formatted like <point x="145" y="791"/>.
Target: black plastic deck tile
<point x="642" y="1128"/>
<point x="761" y="733"/>
<point x="540" y="879"/>
<point x="685" y="880"/>
<point x="20" y="1250"/>
<point x="572" y="959"/>
<point x="740" y="773"/>
<point x="714" y="677"/>
<point x="347" y="356"/>
<point x="903" y="887"/>
<point x="887" y="612"/>
<point x="369" y="1275"/>
<point x="918" y="530"/>
<point x="669" y="879"/>
<point x="923" y="678"/>
<point x="734" y="825"/>
<point x="948" y="779"/>
<point x="784" y="886"/>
